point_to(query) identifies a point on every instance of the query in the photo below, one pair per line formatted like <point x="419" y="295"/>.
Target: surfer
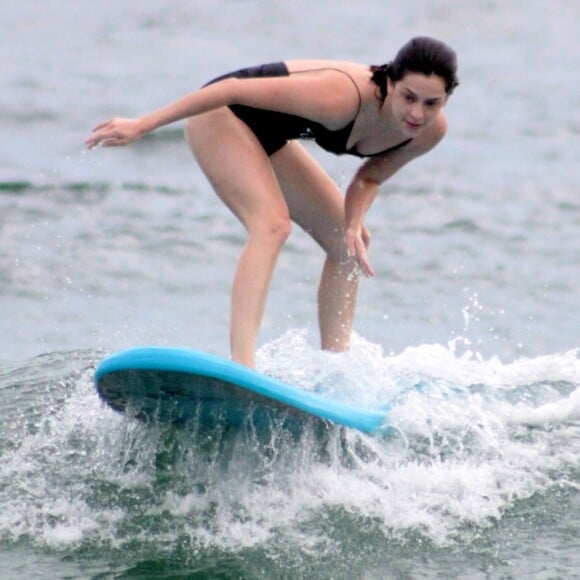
<point x="243" y="129"/>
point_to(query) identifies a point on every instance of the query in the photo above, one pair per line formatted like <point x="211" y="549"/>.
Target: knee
<point x="280" y="230"/>
<point x="274" y="231"/>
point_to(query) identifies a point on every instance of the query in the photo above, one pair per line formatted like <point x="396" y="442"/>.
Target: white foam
<point x="559" y="411"/>
<point x="472" y="436"/>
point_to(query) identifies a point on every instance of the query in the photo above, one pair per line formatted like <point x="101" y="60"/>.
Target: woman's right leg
<point x="241" y="174"/>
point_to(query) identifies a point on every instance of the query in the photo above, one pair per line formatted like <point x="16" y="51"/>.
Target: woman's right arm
<point x="326" y="97"/>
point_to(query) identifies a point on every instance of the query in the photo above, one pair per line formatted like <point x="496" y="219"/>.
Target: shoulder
<point x="335" y="74"/>
<point x="336" y="84"/>
<point x="320" y="91"/>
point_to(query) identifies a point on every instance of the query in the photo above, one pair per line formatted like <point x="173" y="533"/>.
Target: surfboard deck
<point x="175" y="385"/>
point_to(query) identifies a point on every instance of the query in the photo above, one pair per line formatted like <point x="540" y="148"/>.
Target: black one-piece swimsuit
<point x="274" y="129"/>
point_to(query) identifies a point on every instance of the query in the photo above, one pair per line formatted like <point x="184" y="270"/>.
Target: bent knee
<point x="273" y="231"/>
<point x="279" y="229"/>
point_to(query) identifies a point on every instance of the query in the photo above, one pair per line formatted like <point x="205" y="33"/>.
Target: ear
<point x="390" y="86"/>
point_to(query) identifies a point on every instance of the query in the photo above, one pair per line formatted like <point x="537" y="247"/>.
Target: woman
<point x="242" y="129"/>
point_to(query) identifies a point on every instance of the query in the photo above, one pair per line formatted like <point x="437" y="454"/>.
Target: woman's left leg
<point x="317" y="205"/>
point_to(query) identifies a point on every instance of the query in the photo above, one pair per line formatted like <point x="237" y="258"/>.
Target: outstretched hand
<point x="357" y="243"/>
<point x="115" y="132"/>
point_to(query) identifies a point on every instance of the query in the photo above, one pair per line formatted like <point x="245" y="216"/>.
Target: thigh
<point x="237" y="167"/>
<point x="315" y="201"/>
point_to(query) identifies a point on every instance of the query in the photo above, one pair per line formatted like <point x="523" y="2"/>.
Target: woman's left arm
<point x="365" y="185"/>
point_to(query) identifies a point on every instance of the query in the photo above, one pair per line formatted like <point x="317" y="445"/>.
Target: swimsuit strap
<point x="347" y="129"/>
<point x="344" y="73"/>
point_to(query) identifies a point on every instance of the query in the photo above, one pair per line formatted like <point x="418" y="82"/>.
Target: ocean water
<point x="477" y="253"/>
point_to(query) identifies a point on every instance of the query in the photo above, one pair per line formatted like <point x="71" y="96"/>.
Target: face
<point x="416" y="101"/>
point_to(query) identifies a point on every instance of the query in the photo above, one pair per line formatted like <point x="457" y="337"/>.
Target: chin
<point x="412" y="129"/>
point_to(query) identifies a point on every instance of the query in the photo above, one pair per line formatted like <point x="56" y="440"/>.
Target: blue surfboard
<point x="173" y="385"/>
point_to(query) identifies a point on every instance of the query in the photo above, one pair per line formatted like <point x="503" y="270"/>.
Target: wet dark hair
<point x="420" y="55"/>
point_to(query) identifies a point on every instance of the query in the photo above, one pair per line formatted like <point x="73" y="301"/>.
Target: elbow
<point x="366" y="182"/>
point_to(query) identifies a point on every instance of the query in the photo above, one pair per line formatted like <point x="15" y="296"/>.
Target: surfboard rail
<point x="197" y="363"/>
